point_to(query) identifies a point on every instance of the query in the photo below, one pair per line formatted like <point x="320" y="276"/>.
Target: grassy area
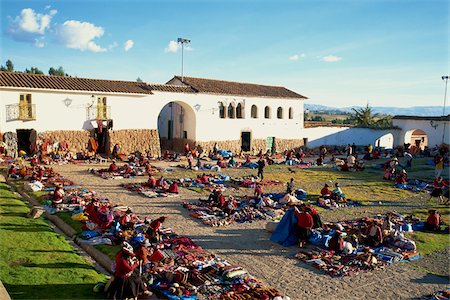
<point x="109" y="250"/>
<point x="66" y="216"/>
<point x="37" y="263"/>
<point x="428" y="242"/>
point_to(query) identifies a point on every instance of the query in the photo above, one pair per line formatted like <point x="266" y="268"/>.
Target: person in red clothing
<point x="204" y="178"/>
<point x="401" y="177"/>
<point x="113" y="167"/>
<point x="154" y="229"/>
<point x="156" y="224"/>
<point x="374" y="235"/>
<point x="161" y="182"/>
<point x="41" y="173"/>
<point x="12" y="171"/>
<point x="142" y="253"/>
<point x="221" y="202"/>
<point x="325" y="192"/>
<point x="258" y="191"/>
<point x="58" y="194"/>
<point x="126" y="283"/>
<point x="151" y="182"/>
<point x="434" y="221"/>
<point x="336" y="242"/>
<point x="173" y="188"/>
<point x="345" y="167"/>
<point x="127" y="220"/>
<point x="438" y="187"/>
<point x="304" y="224"/>
<point x="315" y="215"/>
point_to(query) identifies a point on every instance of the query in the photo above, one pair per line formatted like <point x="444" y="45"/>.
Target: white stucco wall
<point x="435" y="131"/>
<point x="130" y="111"/>
<point x="342" y="136"/>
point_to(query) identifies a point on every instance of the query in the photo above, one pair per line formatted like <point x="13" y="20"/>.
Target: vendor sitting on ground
<point x="151" y="182"/>
<point x="338" y="194"/>
<point x="126" y="283"/>
<point x="304" y="224"/>
<point x="325" y="192"/>
<point x="336" y="242"/>
<point x="203" y="179"/>
<point x="153" y="231"/>
<point x="12" y="171"/>
<point x="401" y="178"/>
<point x="433" y="222"/>
<point x="374" y="236"/>
<point x="113" y="167"/>
<point x="161" y="183"/>
<point x="315" y="215"/>
<point x="345" y="167"/>
<point x="173" y="188"/>
<point x="58" y="194"/>
<point x="127" y="220"/>
<point x="230" y="205"/>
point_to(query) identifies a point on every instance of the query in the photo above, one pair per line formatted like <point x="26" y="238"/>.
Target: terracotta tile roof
<point x="439" y="118"/>
<point x="23" y="80"/>
<point x="171" y="88"/>
<point x="202" y="85"/>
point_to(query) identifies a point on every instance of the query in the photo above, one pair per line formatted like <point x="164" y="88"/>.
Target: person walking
<point x="261" y="165"/>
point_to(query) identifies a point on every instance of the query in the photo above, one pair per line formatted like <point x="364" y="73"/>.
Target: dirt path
<point x="248" y="245"/>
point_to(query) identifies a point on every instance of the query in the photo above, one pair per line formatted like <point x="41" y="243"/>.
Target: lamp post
<point x="445" y="78"/>
<point x="182" y="41"/>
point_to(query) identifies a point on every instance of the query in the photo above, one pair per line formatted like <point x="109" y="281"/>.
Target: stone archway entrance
<point x="176" y="126"/>
<point x="417" y="139"/>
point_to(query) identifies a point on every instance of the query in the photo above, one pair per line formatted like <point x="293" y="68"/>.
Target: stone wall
<point x="176" y="145"/>
<point x="77" y="139"/>
<point x="131" y="140"/>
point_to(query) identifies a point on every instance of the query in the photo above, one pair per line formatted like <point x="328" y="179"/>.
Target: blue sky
<point x="337" y="53"/>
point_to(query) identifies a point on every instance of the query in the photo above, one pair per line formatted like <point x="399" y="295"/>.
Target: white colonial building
<point x="142" y="116"/>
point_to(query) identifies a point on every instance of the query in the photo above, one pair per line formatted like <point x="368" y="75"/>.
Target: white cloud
<point x="128" y="45"/>
<point x="296" y="57"/>
<point x="79" y="35"/>
<point x="331" y="58"/>
<point x="39" y="43"/>
<point x="29" y="25"/>
<point x="172" y="47"/>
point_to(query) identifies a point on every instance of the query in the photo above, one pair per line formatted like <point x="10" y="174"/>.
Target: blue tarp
<point x="284" y="234"/>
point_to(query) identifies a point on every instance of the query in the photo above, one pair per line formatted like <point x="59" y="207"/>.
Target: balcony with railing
<point x="98" y="112"/>
<point x="20" y="112"/>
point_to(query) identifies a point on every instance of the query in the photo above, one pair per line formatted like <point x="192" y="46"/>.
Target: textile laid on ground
<point x="247" y="210"/>
<point x="177" y="268"/>
<point x="140" y="188"/>
<point x="337" y="204"/>
<point x="119" y="174"/>
<point x="416" y="186"/>
<point x="355" y="256"/>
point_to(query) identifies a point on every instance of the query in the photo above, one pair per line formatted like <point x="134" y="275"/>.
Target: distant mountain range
<point x="424" y="111"/>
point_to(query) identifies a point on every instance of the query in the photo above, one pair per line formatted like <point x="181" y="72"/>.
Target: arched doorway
<point x="417" y="139"/>
<point x="176" y="126"/>
<point x="386" y="141"/>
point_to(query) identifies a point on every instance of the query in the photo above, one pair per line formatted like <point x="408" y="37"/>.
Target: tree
<point x="9" y="66"/>
<point x="57" y="72"/>
<point x="33" y="70"/>
<point x="364" y="117"/>
<point x="139" y="79"/>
